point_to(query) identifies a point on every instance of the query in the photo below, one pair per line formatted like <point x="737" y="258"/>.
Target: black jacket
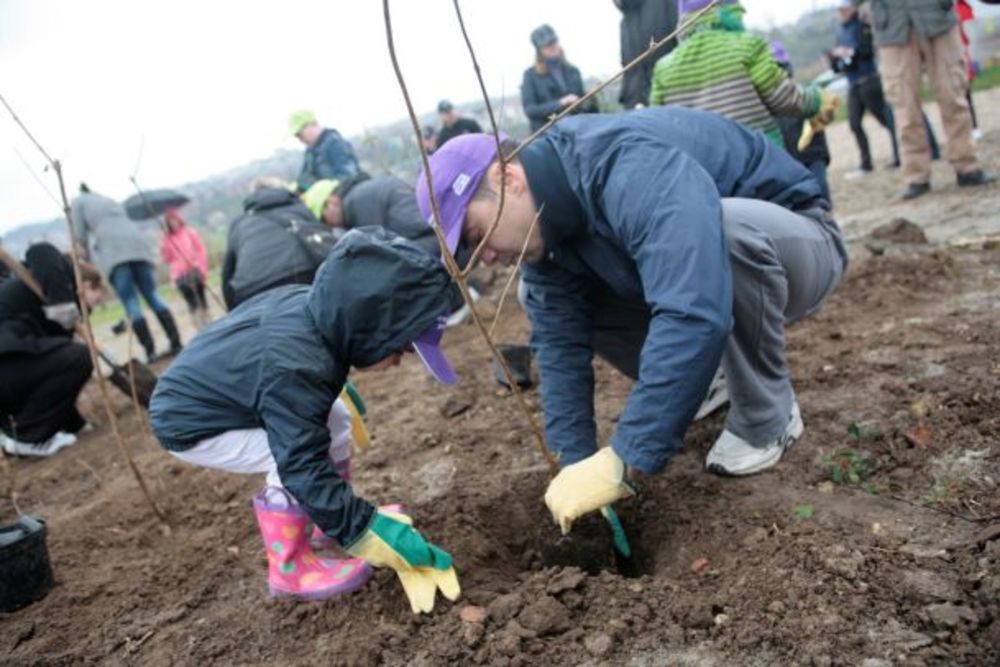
<point x="280" y="360"/>
<point x="643" y="21"/>
<point x="387" y="202"/>
<point x="540" y="93"/>
<point x="261" y="252"/>
<point x="23" y="326"/>
<point x="460" y="127"/>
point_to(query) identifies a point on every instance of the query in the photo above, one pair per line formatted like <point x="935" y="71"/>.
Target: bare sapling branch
<point x="449" y="261"/>
<point x="502" y="160"/>
<point x="84" y="327"/>
<point x="593" y="93"/>
<point x="515" y="272"/>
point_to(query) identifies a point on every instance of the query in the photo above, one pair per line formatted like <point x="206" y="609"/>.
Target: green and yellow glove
<point x="422" y="568"/>
<point x="359" y="432"/>
<point x="587" y="486"/>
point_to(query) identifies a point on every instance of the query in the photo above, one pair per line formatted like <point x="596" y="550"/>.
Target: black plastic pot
<point x="25" y="572"/>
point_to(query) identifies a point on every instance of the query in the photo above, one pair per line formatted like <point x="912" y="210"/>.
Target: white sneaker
<point x="463" y="313"/>
<point x="733" y="456"/>
<point x="57" y="442"/>
<point x="977" y="134"/>
<point x="855" y="174"/>
<point x="718" y="395"/>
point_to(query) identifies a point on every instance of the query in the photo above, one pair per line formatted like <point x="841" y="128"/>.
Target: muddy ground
<point x="876" y="541"/>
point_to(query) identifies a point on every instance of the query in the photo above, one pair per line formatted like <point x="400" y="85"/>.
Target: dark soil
<point x="899" y="383"/>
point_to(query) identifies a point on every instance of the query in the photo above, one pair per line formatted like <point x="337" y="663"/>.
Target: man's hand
<point x="422" y="568"/>
<point x="584" y="487"/>
<point x="567" y="100"/>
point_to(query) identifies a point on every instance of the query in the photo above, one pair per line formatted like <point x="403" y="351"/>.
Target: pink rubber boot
<point x="293" y="568"/>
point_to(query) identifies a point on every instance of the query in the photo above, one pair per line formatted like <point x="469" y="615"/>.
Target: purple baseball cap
<point x="457" y="169"/>
<point x="428" y="348"/>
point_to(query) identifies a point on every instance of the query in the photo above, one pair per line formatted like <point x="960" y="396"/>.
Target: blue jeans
<point x="818" y="169"/>
<point x="129" y="280"/>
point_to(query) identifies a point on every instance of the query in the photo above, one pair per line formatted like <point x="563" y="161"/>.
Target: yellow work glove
<point x="391" y="541"/>
<point x="587" y="486"/>
<point x="359" y="432"/>
<point x="828" y="105"/>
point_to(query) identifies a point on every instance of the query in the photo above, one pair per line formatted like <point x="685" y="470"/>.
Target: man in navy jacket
<point x="667" y="240"/>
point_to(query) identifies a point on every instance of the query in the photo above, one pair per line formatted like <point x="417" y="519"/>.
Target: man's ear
<point x="514" y="176"/>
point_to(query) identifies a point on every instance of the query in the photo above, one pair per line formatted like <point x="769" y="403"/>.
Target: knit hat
<point x="298" y="120"/>
<point x="543" y="35"/>
<point x="688" y="6"/>
<point x="317" y="194"/>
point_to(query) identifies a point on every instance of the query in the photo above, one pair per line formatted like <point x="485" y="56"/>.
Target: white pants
<point x="247" y="451"/>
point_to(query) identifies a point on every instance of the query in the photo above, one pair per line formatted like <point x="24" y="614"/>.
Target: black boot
<point x="170" y="328"/>
<point x="141" y="330"/>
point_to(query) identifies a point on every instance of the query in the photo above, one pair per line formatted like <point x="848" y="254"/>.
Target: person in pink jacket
<point x="184" y="252"/>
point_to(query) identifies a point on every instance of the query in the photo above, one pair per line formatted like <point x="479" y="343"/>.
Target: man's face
<point x="333" y="212"/>
<point x="309" y="134"/>
<point x="504" y="246"/>
<point x="448" y="118"/>
<point x="846" y="13"/>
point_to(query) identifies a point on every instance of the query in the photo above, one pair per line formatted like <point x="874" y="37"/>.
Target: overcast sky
<point x="204" y="86"/>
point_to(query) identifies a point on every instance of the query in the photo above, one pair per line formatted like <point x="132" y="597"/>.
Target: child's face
<point x="333" y="212"/>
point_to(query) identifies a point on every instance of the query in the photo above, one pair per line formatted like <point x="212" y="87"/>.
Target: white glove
<point x="65" y="315"/>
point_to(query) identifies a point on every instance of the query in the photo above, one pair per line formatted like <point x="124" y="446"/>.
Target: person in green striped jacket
<point x="720" y="67"/>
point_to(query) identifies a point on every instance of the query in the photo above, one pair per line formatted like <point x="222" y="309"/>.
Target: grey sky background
<point x="204" y="86"/>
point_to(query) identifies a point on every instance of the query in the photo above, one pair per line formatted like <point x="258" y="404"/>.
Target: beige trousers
<point x="901" y="73"/>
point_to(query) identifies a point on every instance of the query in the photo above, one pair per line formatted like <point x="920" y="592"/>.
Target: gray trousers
<point x="784" y="265"/>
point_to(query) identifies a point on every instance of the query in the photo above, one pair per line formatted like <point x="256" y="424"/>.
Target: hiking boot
<point x="733" y="456"/>
<point x="718" y="395"/>
<point x="976" y="177"/>
<point x="914" y="190"/>
<point x="293" y="568"/>
<point x="60" y="440"/>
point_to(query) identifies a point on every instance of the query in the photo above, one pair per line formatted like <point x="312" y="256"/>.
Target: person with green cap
<point x="377" y="201"/>
<point x="328" y="154"/>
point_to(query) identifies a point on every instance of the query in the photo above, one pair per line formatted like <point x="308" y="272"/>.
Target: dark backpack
<point x="316" y="238"/>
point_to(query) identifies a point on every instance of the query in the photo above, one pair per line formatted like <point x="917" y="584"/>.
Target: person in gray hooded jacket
<point x="118" y="248"/>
